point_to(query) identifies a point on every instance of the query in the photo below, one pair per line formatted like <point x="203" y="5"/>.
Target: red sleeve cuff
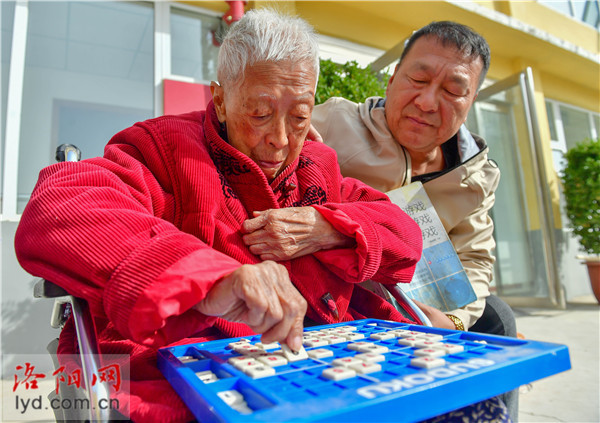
<point x="345" y="262"/>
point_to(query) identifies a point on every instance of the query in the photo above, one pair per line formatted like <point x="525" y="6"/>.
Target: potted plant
<point x="581" y="186"/>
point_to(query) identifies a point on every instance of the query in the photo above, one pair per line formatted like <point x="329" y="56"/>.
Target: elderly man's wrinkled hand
<point x="283" y="234"/>
<point x="263" y="297"/>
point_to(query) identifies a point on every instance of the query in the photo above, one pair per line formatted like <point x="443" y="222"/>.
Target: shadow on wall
<point x="25" y="320"/>
<point x="25" y="329"/>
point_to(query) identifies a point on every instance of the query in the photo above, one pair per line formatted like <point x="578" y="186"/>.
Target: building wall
<point x="519" y="33"/>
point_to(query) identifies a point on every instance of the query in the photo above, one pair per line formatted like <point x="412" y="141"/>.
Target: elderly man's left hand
<point x="283" y="234"/>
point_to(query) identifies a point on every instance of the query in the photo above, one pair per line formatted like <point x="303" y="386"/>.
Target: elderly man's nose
<point x="278" y="134"/>
<point x="427" y="99"/>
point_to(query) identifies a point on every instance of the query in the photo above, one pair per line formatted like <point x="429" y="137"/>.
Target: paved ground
<point x="572" y="396"/>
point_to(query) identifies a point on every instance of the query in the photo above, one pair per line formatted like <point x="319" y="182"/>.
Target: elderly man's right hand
<point x="263" y="297"/>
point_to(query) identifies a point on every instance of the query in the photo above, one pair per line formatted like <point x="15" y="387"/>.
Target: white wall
<point x="42" y="88"/>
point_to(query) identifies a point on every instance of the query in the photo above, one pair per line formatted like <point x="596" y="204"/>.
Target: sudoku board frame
<point x="488" y="366"/>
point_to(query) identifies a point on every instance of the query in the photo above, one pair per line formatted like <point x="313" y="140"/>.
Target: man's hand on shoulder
<point x="314" y="135"/>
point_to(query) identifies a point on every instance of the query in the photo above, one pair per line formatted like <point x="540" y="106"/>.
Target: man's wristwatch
<point x="458" y="324"/>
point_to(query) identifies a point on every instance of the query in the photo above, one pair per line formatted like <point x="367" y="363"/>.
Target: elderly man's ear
<point x="218" y="99"/>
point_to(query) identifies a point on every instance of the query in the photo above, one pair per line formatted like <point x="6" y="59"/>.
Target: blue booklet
<point x="440" y="279"/>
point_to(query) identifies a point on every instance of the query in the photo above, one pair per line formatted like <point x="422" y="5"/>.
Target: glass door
<point x="525" y="273"/>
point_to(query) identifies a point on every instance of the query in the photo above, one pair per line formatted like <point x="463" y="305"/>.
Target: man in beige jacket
<point x="417" y="133"/>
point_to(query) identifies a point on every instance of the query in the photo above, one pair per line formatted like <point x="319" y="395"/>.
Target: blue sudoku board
<point x="364" y="370"/>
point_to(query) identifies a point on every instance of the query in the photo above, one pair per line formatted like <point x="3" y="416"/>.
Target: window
<point x="576" y="125"/>
<point x="585" y="11"/>
<point x="568" y="126"/>
<point x="88" y="74"/>
<point x="193" y="53"/>
<point x="591" y="13"/>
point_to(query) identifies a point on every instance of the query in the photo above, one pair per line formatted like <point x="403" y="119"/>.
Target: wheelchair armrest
<point x="47" y="289"/>
<point x="62" y="301"/>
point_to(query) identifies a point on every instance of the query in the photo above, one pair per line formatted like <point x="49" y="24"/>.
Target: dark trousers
<point x="498" y="319"/>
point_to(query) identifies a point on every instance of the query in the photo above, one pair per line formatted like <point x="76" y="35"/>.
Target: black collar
<point x="451" y="159"/>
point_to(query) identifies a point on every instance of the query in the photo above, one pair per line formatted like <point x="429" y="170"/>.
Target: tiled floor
<point x="572" y="396"/>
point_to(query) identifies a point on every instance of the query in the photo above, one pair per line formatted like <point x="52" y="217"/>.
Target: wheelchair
<point x="96" y="391"/>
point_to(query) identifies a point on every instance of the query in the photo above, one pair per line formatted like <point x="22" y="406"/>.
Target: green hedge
<point x="350" y="81"/>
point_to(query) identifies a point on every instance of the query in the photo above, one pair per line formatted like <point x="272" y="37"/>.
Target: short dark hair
<point x="457" y="35"/>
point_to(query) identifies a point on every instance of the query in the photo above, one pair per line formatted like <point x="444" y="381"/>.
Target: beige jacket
<point x="462" y="196"/>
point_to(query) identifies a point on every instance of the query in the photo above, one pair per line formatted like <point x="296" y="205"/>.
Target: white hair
<point x="265" y="35"/>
